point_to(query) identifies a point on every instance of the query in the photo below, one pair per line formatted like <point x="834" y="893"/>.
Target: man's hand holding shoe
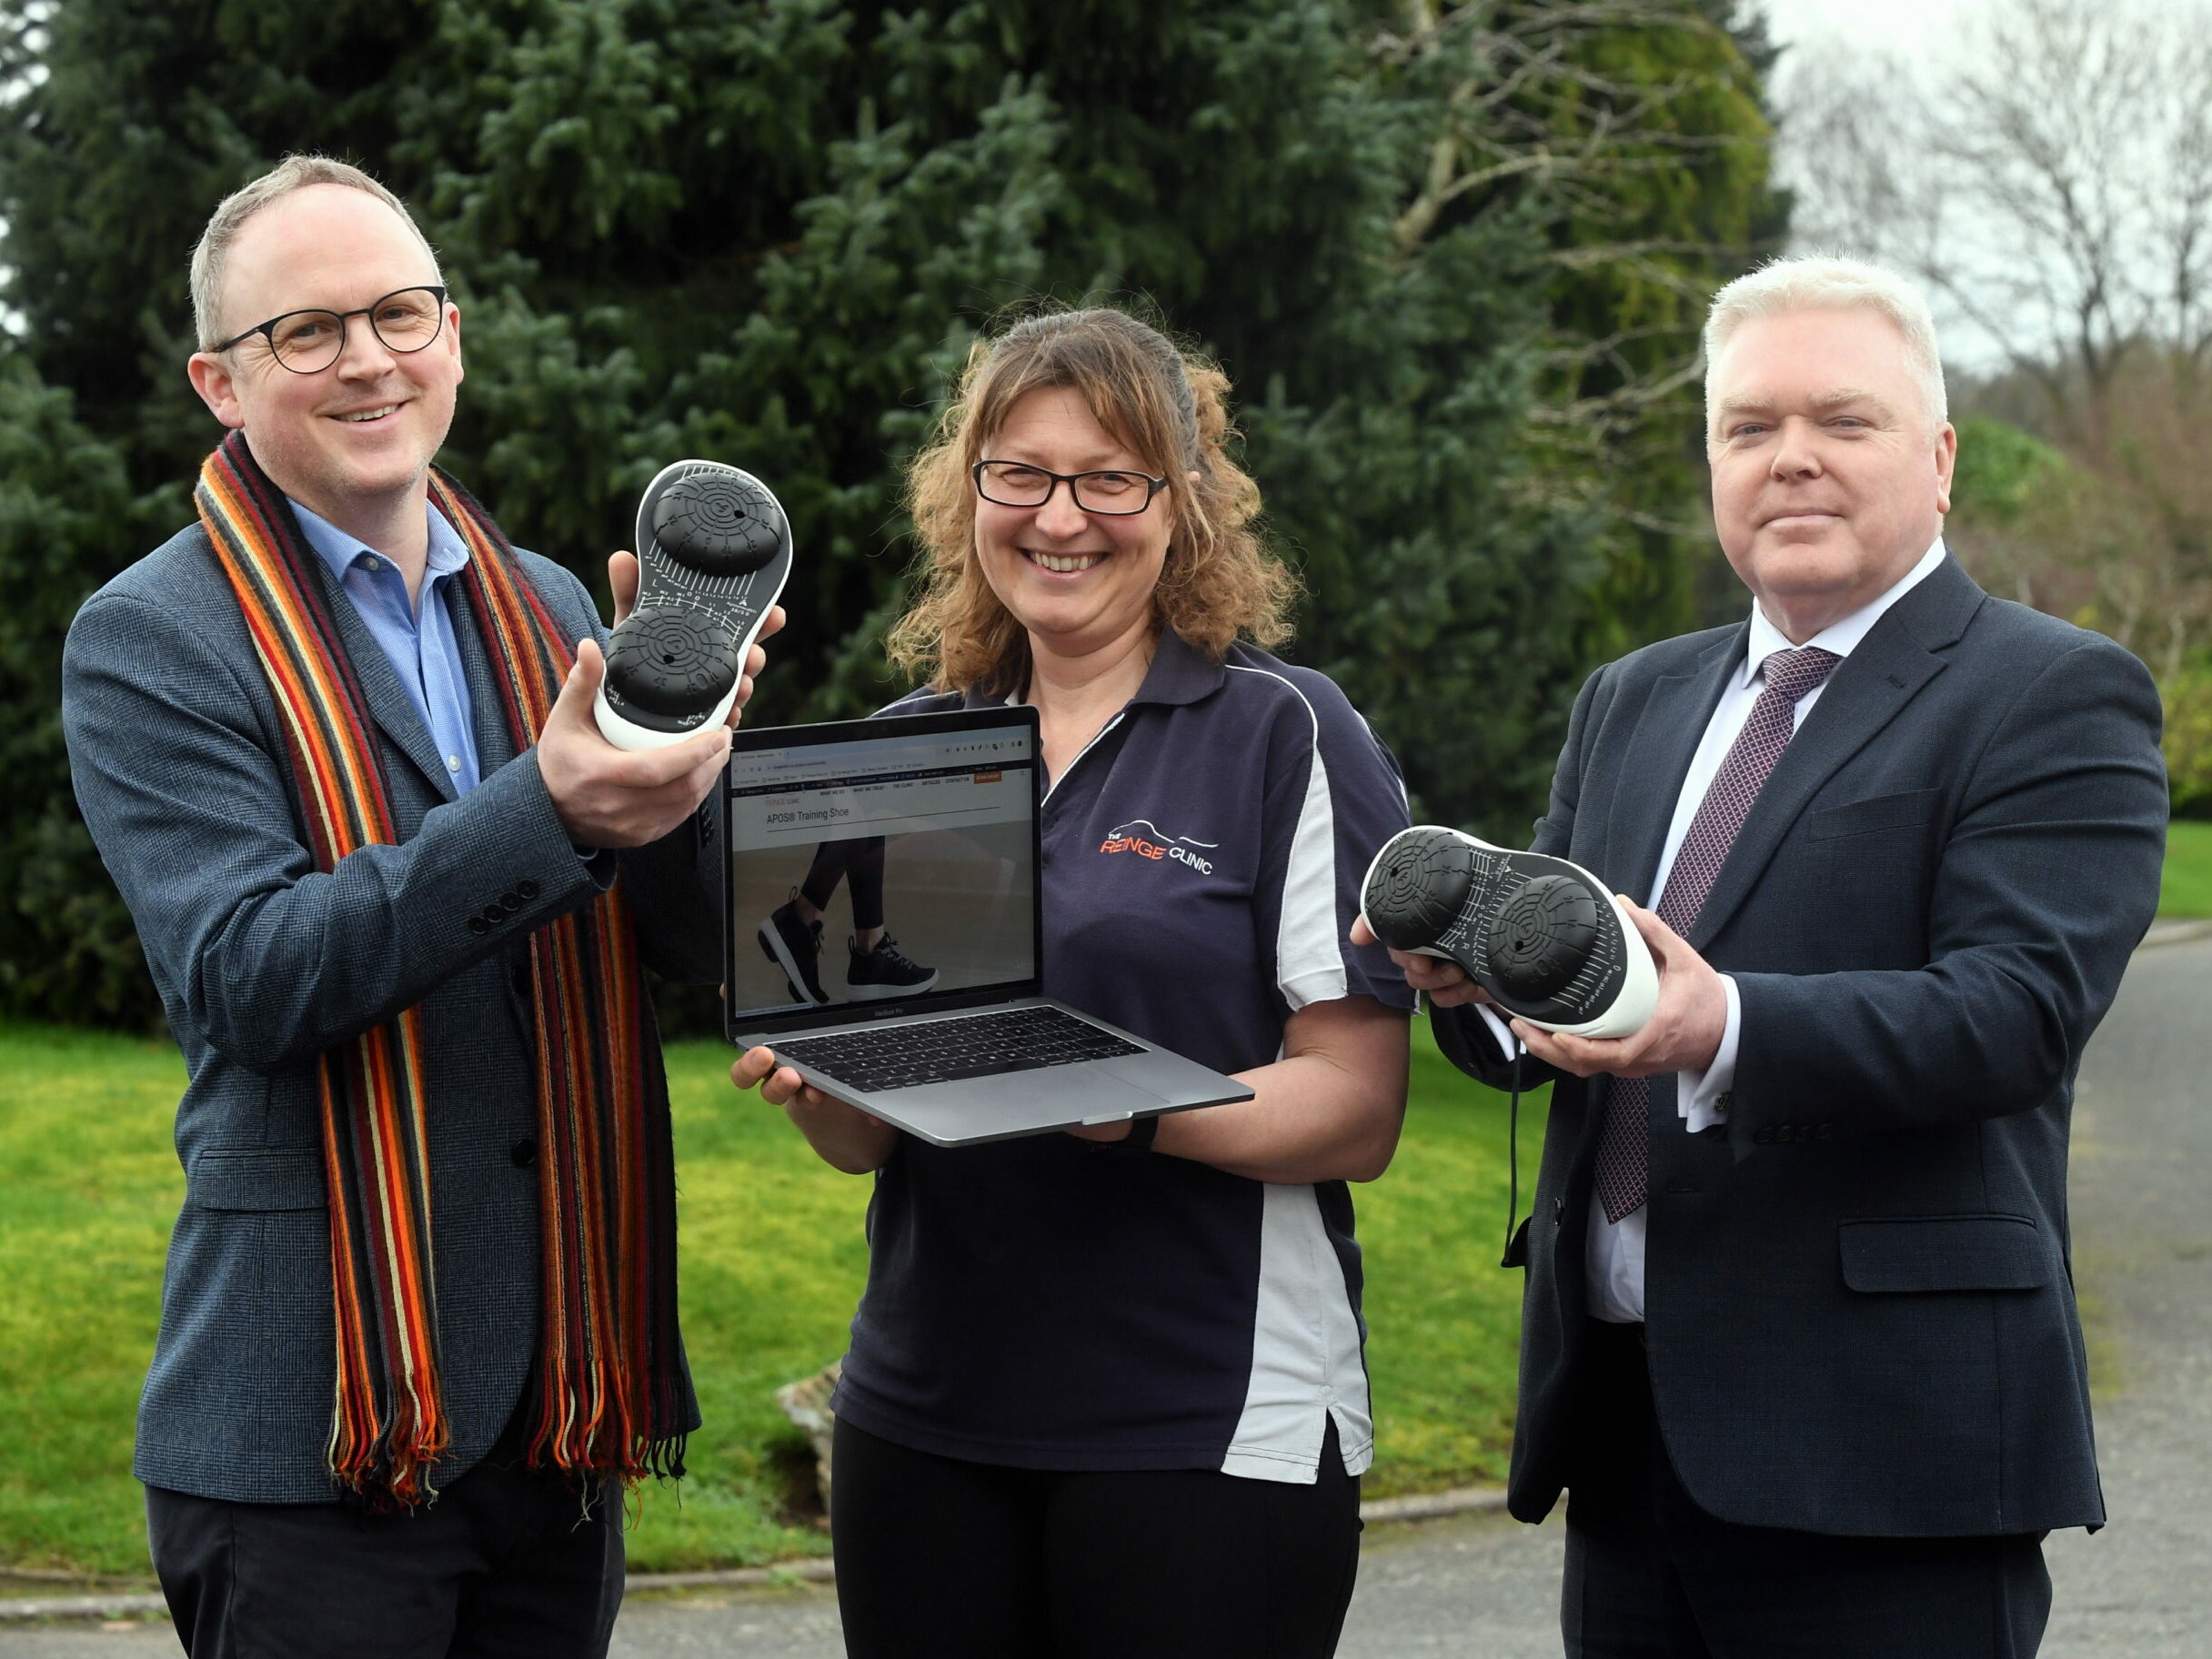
<point x="607" y="797"/>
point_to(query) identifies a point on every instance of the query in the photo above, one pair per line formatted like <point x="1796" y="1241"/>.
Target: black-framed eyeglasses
<point x="307" y="342"/>
<point x="1117" y="492"/>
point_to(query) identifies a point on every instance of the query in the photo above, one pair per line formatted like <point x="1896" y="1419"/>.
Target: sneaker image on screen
<point x="885" y="970"/>
<point x="796" y="947"/>
<point x="1546" y="938"/>
<point x="713" y="550"/>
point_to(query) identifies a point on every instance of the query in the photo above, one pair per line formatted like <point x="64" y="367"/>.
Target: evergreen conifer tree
<point x="767" y="230"/>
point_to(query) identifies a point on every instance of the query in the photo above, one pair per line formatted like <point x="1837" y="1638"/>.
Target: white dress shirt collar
<point x="1840" y="637"/>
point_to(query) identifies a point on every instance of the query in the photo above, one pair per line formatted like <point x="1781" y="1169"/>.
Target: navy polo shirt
<point x="1037" y="1302"/>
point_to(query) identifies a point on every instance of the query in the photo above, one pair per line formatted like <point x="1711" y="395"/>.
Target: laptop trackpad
<point x="1098" y="1091"/>
<point x="1018" y="1102"/>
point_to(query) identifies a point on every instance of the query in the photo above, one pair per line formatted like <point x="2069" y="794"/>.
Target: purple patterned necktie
<point x="1624" y="1153"/>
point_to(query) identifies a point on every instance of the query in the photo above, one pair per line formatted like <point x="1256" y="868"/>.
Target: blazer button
<point x="510" y="902"/>
<point x="528" y="889"/>
<point x="1763" y="1135"/>
<point x="1821" y="1131"/>
<point x="525" y="1153"/>
<point x="476" y="924"/>
<point x="492" y="912"/>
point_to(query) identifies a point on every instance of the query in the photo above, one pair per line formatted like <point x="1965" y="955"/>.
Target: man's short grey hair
<point x="293" y="173"/>
<point x="1820" y="282"/>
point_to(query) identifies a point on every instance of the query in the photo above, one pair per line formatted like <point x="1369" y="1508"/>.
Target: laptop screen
<point x="914" y="836"/>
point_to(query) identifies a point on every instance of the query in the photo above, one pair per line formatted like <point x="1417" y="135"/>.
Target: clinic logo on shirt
<point x="1148" y="840"/>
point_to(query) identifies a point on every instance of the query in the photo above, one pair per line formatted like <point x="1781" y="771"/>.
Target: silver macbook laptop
<point x="917" y="836"/>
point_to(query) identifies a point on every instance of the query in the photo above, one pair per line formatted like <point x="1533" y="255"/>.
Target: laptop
<point x="928" y="824"/>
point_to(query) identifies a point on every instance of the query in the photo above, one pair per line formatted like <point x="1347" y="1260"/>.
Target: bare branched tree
<point x="2048" y="175"/>
<point x="1524" y="108"/>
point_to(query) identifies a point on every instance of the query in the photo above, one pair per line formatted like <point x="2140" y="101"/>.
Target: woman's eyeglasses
<point x="1114" y="493"/>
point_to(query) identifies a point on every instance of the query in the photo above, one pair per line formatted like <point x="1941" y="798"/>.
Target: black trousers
<point x="1650" y="1576"/>
<point x="859" y="863"/>
<point x="937" y="1556"/>
<point x="509" y="1564"/>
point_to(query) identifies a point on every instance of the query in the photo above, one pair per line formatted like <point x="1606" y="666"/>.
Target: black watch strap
<point x="1138" y="1140"/>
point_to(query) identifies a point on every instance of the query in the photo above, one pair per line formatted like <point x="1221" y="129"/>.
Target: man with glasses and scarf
<point x="334" y="743"/>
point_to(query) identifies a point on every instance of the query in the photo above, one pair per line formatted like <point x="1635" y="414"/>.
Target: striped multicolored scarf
<point x="608" y="1396"/>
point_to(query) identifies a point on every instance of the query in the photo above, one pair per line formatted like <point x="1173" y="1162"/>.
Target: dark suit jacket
<point x="262" y="963"/>
<point x="1859" y="1299"/>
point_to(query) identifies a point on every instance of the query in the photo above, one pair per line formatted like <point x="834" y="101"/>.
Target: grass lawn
<point x="2187" y="891"/>
<point x="772" y="1263"/>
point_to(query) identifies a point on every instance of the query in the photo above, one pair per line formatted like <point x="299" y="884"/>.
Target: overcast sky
<point x="1917" y="29"/>
<point x="1907" y="24"/>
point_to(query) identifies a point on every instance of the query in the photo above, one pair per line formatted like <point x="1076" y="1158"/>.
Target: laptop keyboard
<point x="946" y="1051"/>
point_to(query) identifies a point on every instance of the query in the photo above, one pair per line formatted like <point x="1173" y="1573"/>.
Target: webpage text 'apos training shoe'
<point x="1546" y="938"/>
<point x="713" y="550"/>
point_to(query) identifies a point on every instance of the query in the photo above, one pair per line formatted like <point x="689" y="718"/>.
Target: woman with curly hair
<point x="1105" y="1394"/>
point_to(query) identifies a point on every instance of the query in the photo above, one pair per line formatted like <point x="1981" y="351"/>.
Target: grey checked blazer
<point x="262" y="963"/>
<point x="1858" y="1295"/>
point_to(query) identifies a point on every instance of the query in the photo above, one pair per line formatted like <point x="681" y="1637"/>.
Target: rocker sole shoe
<point x="800" y="956"/>
<point x="714" y="548"/>
<point x="1546" y="938"/>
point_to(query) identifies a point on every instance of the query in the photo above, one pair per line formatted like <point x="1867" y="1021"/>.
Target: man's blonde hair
<point x="293" y="173"/>
<point x="1820" y="282"/>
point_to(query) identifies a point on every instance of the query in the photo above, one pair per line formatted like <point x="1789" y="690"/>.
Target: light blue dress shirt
<point x="420" y="646"/>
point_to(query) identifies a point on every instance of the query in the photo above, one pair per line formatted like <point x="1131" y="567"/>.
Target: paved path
<point x="2142" y="1588"/>
<point x="1485" y="1587"/>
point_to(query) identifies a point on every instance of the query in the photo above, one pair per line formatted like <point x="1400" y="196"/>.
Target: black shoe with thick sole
<point x="796" y="947"/>
<point x="713" y="550"/>
<point x="885" y="971"/>
<point x="1546" y="938"/>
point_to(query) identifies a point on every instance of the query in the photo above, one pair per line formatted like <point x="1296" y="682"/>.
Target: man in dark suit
<point x="1799" y="1332"/>
<point x="328" y="343"/>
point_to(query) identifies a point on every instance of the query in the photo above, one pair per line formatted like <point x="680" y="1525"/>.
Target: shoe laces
<point x="887" y="951"/>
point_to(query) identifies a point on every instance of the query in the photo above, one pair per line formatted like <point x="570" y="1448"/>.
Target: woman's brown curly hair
<point x="1171" y="409"/>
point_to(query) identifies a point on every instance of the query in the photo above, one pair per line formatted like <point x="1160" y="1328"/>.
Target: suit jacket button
<point x="1763" y="1135"/>
<point x="510" y="902"/>
<point x="528" y="889"/>
<point x="492" y="912"/>
<point x="476" y="924"/>
<point x="1821" y="1131"/>
<point x="525" y="1153"/>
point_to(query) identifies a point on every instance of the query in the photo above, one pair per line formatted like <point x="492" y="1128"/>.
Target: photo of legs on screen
<point x="878" y="869"/>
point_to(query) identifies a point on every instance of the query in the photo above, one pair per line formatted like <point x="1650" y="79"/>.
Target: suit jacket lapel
<point x="388" y="703"/>
<point x="1659" y="754"/>
<point x="1898" y="656"/>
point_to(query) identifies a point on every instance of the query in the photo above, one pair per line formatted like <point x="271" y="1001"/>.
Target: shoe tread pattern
<point x="716" y="524"/>
<point x="669" y="660"/>
<point x="1416" y="891"/>
<point x="1526" y="928"/>
<point x="725" y="600"/>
